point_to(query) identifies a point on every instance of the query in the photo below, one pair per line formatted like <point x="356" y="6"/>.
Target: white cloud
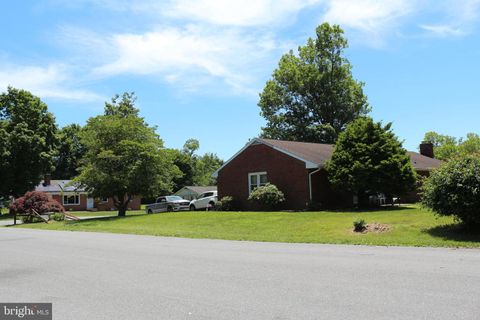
<point x="443" y="30"/>
<point x="238" y="13"/>
<point x="463" y="11"/>
<point x="46" y="82"/>
<point x="188" y="55"/>
<point x="459" y="18"/>
<point x="218" y="12"/>
<point x="238" y="43"/>
<point x="374" y="18"/>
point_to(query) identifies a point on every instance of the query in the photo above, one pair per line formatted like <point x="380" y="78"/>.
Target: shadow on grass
<point x="365" y="209"/>
<point x="107" y="218"/>
<point x="456" y="232"/>
<point x="6" y="216"/>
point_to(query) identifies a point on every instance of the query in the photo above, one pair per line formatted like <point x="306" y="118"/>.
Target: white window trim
<point x="102" y="200"/>
<point x="71" y="204"/>
<point x="258" y="174"/>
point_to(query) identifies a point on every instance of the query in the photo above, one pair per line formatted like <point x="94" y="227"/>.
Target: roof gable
<point x="271" y="143"/>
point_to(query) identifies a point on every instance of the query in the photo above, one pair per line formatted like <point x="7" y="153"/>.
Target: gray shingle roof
<point x="59" y="186"/>
<point x="319" y="153"/>
<point x="423" y="163"/>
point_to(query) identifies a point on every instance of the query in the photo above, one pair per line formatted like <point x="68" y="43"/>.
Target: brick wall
<point x="80" y="207"/>
<point x="107" y="206"/>
<point x="287" y="173"/>
<point x="323" y="194"/>
<point x="100" y="206"/>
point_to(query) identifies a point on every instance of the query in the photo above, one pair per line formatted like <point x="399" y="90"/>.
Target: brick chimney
<point x="426" y="149"/>
<point x="47" y="180"/>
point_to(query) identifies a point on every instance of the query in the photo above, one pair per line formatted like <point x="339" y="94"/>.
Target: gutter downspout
<point x="310" y="182"/>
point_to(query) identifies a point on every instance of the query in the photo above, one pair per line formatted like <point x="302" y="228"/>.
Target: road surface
<point x="112" y="276"/>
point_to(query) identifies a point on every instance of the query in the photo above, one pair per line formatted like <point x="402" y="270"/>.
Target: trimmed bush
<point x="59" y="216"/>
<point x="227" y="203"/>
<point x="30" y="219"/>
<point x="38" y="201"/>
<point x="454" y="190"/>
<point x="268" y="197"/>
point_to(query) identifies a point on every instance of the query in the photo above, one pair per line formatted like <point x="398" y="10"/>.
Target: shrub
<point x="359" y="225"/>
<point x="454" y="190"/>
<point x="59" y="216"/>
<point x="314" y="206"/>
<point x="227" y="203"/>
<point x="4" y="203"/>
<point x="267" y="196"/>
<point x="30" y="219"/>
<point x="39" y="201"/>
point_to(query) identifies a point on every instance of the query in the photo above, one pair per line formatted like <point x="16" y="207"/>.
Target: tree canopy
<point x="312" y="96"/>
<point x="197" y="169"/>
<point x="122" y="106"/>
<point x="454" y="190"/>
<point x="69" y="152"/>
<point x="124" y="157"/>
<point x="27" y="141"/>
<point x="369" y="159"/>
<point x="447" y="147"/>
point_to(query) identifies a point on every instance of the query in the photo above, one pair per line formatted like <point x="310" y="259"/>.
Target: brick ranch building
<point x="297" y="169"/>
<point x="74" y="197"/>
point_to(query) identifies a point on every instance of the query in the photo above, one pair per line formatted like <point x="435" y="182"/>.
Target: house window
<point x="256" y="179"/>
<point x="73" y="199"/>
<point x="104" y="199"/>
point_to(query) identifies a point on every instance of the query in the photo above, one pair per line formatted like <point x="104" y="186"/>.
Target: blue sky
<point x="197" y="66"/>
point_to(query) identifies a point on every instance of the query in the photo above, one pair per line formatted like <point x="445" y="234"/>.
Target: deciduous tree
<point x="312" y="96"/>
<point x="447" y="147"/>
<point x="70" y="151"/>
<point x="125" y="157"/>
<point x="27" y="141"/>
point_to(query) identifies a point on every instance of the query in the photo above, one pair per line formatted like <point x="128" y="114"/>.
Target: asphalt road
<point x="112" y="276"/>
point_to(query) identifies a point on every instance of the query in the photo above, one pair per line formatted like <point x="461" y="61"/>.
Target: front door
<point x="89" y="203"/>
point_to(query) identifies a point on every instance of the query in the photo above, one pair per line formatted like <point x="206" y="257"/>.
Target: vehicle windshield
<point x="173" y="198"/>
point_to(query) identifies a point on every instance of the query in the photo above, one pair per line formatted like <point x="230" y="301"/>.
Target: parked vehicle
<point x="206" y="200"/>
<point x="168" y="203"/>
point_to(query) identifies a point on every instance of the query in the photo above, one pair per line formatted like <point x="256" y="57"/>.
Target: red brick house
<point x="296" y="168"/>
<point x="74" y="197"/>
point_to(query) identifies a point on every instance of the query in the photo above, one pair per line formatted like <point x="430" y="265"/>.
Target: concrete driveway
<point x="113" y="276"/>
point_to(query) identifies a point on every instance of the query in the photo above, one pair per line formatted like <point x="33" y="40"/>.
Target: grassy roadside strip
<point x="410" y="226"/>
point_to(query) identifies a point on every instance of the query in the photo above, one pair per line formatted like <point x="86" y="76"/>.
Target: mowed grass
<point x="81" y="214"/>
<point x="410" y="226"/>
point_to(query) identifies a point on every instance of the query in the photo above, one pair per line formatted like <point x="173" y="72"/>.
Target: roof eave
<point x="308" y="164"/>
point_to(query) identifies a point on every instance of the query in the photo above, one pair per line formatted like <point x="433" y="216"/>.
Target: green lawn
<point x="410" y="226"/>
<point x="104" y="213"/>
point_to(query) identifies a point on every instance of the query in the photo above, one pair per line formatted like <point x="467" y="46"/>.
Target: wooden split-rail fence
<point x="34" y="213"/>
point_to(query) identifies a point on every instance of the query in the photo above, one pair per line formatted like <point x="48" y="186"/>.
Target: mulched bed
<point x="375" y="227"/>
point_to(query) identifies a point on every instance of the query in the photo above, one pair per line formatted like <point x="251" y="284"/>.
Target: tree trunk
<point x="119" y="202"/>
<point x="122" y="204"/>
<point x="122" y="211"/>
